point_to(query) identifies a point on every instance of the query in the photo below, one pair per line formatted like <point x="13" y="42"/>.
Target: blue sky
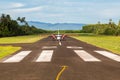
<point x="63" y="11"/>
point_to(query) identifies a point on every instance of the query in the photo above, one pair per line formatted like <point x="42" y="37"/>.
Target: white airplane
<point x="58" y="36"/>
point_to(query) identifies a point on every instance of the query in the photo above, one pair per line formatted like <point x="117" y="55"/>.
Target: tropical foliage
<point x="107" y="29"/>
<point x="10" y="27"/>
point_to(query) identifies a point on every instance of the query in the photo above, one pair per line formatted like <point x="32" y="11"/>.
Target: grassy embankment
<point x="20" y="39"/>
<point x="7" y="50"/>
<point x="111" y="43"/>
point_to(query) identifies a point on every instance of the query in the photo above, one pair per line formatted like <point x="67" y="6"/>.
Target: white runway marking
<point x="18" y="57"/>
<point x="45" y="56"/>
<point x="60" y="43"/>
<point x="73" y="47"/>
<point x="109" y="55"/>
<point x="49" y="47"/>
<point x="85" y="56"/>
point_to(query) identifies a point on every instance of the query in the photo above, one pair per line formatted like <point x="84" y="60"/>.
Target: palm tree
<point x="110" y="21"/>
<point x="99" y="22"/>
<point x="119" y="23"/>
<point x="22" y="20"/>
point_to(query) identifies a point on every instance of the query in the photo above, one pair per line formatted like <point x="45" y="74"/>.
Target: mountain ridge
<point x="56" y="26"/>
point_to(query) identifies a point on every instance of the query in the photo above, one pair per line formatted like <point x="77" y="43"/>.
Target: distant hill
<point x="61" y="26"/>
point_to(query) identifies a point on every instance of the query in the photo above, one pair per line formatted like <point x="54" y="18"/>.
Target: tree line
<point x="10" y="27"/>
<point x="103" y="29"/>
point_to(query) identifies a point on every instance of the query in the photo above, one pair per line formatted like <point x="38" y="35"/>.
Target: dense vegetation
<point x="9" y="27"/>
<point x="107" y="29"/>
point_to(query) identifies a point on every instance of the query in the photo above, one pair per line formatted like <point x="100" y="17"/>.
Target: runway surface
<point x="72" y="60"/>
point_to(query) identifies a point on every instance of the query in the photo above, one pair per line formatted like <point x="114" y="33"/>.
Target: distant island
<point x="55" y="26"/>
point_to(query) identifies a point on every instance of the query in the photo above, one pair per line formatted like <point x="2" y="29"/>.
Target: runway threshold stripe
<point x="109" y="55"/>
<point x="45" y="56"/>
<point x="86" y="56"/>
<point x="18" y="57"/>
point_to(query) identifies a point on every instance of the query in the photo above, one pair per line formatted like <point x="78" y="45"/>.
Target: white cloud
<point x="11" y="5"/>
<point x="23" y="10"/>
<point x="28" y="9"/>
<point x="17" y="5"/>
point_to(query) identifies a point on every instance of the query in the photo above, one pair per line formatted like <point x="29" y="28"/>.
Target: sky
<point x="63" y="11"/>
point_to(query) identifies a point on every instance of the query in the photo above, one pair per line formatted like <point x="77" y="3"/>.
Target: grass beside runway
<point x="7" y="50"/>
<point x="111" y="43"/>
<point x="21" y="39"/>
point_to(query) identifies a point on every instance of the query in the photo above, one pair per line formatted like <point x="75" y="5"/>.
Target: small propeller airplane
<point x="58" y="36"/>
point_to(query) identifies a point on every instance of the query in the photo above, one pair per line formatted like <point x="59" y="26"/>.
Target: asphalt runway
<point x="72" y="60"/>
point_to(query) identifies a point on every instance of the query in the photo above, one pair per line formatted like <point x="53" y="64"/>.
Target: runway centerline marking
<point x="74" y="47"/>
<point x="86" y="56"/>
<point x="18" y="57"/>
<point x="109" y="55"/>
<point x="60" y="73"/>
<point x="49" y="47"/>
<point x="60" y="43"/>
<point x="45" y="56"/>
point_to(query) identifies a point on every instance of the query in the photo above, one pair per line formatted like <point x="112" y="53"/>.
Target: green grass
<point x="111" y="43"/>
<point x="20" y="39"/>
<point x="7" y="50"/>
